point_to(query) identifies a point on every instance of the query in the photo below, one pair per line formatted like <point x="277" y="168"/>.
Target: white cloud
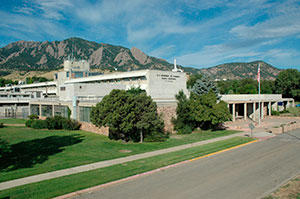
<point x="28" y="27"/>
<point x="163" y="51"/>
<point x="54" y="9"/>
<point x="284" y="21"/>
<point x="24" y="10"/>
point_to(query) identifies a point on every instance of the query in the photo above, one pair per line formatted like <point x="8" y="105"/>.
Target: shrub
<point x="185" y="130"/>
<point x="59" y="122"/>
<point x="55" y="122"/>
<point x="69" y="124"/>
<point x="1" y="125"/>
<point x="276" y="113"/>
<point x="39" y="124"/>
<point x="28" y="123"/>
<point x="33" y="116"/>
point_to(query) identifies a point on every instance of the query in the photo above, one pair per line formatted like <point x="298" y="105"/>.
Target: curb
<point x="149" y="172"/>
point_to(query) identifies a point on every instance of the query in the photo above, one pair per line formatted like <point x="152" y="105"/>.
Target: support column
<point x="40" y="110"/>
<point x="29" y="111"/>
<point x="245" y="111"/>
<point x="276" y="106"/>
<point x="233" y="112"/>
<point x="53" y="112"/>
<point x="270" y="108"/>
<point x="262" y="110"/>
<point x="293" y="102"/>
<point x="254" y="110"/>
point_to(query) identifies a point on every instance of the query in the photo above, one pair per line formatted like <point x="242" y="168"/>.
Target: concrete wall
<point x="252" y="97"/>
<point x="165" y="84"/>
<point x="96" y="89"/>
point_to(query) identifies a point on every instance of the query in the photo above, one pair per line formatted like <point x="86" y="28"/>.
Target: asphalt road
<point x="246" y="172"/>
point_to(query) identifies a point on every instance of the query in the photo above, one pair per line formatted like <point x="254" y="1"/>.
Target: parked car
<point x="297" y="105"/>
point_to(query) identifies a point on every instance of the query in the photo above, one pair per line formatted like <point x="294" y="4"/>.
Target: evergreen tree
<point x="204" y="85"/>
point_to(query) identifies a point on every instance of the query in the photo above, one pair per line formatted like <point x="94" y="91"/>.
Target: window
<point x="84" y="114"/>
<point x="38" y="95"/>
<point x="62" y="88"/>
<point x="67" y="74"/>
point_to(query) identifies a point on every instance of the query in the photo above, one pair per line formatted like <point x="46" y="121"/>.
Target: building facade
<point x="75" y="90"/>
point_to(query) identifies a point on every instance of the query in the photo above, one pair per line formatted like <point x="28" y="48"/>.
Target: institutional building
<point x="76" y="90"/>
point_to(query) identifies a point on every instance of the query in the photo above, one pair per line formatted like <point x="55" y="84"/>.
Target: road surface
<point x="246" y="172"/>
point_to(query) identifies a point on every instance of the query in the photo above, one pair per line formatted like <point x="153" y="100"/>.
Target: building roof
<point x="117" y="75"/>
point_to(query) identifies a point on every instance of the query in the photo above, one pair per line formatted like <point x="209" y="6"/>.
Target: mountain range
<point x="49" y="56"/>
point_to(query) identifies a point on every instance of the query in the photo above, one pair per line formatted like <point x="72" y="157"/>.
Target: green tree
<point x="267" y="86"/>
<point x="287" y="83"/>
<point x="183" y="123"/>
<point x="31" y="80"/>
<point x="128" y="114"/>
<point x="199" y="111"/>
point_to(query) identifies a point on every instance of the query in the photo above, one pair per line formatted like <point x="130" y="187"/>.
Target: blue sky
<point x="198" y="33"/>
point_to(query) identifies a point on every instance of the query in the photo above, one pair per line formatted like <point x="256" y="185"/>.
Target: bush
<point x="39" y="124"/>
<point x="1" y="125"/>
<point x="28" y="123"/>
<point x="33" y="117"/>
<point x="59" y="122"/>
<point x="185" y="130"/>
<point x="69" y="124"/>
<point x="276" y="113"/>
<point x="55" y="122"/>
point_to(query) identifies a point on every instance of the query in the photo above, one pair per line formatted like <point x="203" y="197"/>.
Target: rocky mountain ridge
<point x="49" y="56"/>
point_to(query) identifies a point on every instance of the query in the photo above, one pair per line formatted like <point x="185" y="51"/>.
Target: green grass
<point x="39" y="151"/>
<point x="71" y="183"/>
<point x="13" y="121"/>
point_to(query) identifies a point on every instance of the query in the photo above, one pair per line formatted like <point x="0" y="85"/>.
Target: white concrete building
<point x="81" y="94"/>
<point x="76" y="89"/>
<point x="247" y="105"/>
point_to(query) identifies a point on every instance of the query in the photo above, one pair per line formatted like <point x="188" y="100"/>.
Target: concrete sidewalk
<point x="97" y="165"/>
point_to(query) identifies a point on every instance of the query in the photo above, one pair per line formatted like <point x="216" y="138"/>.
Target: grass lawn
<point x="13" y="121"/>
<point x="71" y="183"/>
<point x="290" y="190"/>
<point x="39" y="151"/>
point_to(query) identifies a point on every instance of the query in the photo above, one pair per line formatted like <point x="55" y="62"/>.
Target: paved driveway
<point x="247" y="172"/>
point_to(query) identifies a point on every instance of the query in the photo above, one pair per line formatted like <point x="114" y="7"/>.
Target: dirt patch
<point x="290" y="190"/>
<point x="177" y="136"/>
<point x="14" y="124"/>
<point x="125" y="151"/>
